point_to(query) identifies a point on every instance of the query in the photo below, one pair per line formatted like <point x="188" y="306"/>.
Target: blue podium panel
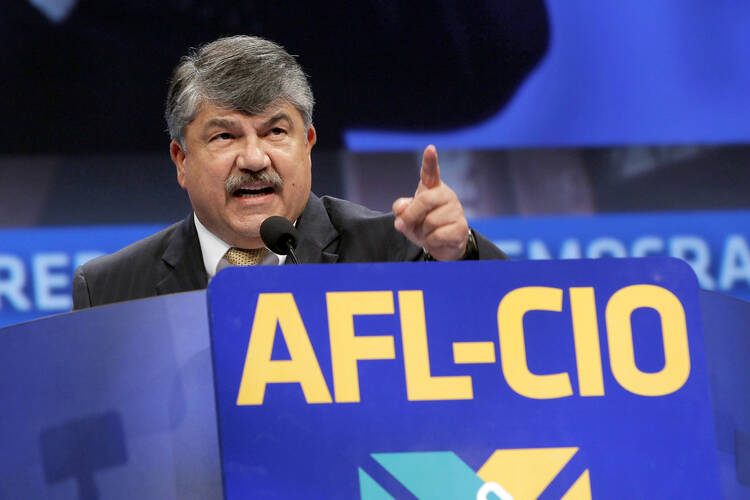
<point x="114" y="402"/>
<point x="575" y="379"/>
<point x="725" y="321"/>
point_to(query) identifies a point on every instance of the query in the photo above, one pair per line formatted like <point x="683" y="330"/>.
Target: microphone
<point x="280" y="236"/>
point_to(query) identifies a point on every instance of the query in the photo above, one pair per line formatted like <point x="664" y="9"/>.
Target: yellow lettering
<point x="420" y="384"/>
<point x="260" y="370"/>
<point x="674" y="337"/>
<point x="473" y="352"/>
<point x="346" y="348"/>
<point x="510" y="315"/>
<point x="586" y="336"/>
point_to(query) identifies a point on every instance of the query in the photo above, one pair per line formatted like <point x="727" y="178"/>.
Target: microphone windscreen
<point x="277" y="233"/>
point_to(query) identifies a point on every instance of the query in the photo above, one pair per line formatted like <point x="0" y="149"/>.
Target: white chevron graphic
<point x="54" y="10"/>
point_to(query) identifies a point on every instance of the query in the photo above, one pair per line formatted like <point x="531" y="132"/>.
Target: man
<point x="239" y="112"/>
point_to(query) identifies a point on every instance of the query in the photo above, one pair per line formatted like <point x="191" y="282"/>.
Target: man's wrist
<point x="472" y="249"/>
<point x="471" y="252"/>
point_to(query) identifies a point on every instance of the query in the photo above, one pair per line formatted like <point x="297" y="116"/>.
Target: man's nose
<point x="252" y="155"/>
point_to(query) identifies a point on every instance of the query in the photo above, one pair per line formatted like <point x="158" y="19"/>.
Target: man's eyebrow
<point x="220" y="123"/>
<point x="277" y="118"/>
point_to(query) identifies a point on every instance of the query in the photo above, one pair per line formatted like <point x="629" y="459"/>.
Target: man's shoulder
<point x="149" y="249"/>
<point x="345" y="213"/>
<point x="142" y="269"/>
<point x="367" y="235"/>
<point x="375" y="230"/>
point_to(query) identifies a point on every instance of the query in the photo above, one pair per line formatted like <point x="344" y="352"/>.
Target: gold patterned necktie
<point x="242" y="257"/>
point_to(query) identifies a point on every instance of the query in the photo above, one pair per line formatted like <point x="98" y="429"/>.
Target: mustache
<point x="265" y="176"/>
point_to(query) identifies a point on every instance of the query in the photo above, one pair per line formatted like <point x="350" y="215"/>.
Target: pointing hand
<point x="433" y="218"/>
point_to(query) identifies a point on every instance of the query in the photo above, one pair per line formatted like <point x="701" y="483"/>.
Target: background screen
<point x="568" y="128"/>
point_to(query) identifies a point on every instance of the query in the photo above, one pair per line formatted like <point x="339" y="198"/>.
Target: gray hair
<point x="243" y="73"/>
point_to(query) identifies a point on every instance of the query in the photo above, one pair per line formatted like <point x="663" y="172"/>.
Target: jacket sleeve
<point x="81" y="297"/>
<point x="488" y="250"/>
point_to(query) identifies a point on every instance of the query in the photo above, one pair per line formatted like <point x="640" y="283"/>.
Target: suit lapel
<point x="182" y="260"/>
<point x="183" y="268"/>
<point x="318" y="242"/>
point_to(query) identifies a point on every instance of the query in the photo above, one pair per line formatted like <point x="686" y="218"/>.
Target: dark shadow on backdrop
<point x="78" y="449"/>
<point x="96" y="80"/>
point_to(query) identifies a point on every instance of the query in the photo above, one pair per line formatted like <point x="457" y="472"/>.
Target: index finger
<point x="429" y="175"/>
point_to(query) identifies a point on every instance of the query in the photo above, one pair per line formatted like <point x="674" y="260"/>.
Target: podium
<point x="559" y="379"/>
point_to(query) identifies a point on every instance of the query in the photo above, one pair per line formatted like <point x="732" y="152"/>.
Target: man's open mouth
<point x="253" y="184"/>
<point x="249" y="192"/>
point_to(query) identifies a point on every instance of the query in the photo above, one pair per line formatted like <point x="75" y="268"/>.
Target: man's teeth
<point x="253" y="191"/>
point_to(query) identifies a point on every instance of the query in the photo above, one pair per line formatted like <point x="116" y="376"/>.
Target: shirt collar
<point x="213" y="249"/>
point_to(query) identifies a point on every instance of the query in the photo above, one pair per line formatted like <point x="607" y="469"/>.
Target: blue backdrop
<point x="617" y="73"/>
<point x="36" y="265"/>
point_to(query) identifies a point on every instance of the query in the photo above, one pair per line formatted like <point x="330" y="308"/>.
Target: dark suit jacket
<point x="170" y="261"/>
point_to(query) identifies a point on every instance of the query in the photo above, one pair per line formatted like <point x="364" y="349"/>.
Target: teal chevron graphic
<point x="508" y="474"/>
<point x="371" y="490"/>
<point x="428" y="475"/>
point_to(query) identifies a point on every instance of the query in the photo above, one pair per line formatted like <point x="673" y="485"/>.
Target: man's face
<point x="250" y="154"/>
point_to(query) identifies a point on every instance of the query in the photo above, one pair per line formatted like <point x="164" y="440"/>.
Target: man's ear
<point x="312" y="137"/>
<point x="178" y="158"/>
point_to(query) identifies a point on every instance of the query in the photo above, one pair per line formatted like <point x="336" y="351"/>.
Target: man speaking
<point x="239" y="113"/>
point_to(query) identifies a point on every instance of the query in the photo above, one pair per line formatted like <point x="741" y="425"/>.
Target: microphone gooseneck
<point x="280" y="236"/>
